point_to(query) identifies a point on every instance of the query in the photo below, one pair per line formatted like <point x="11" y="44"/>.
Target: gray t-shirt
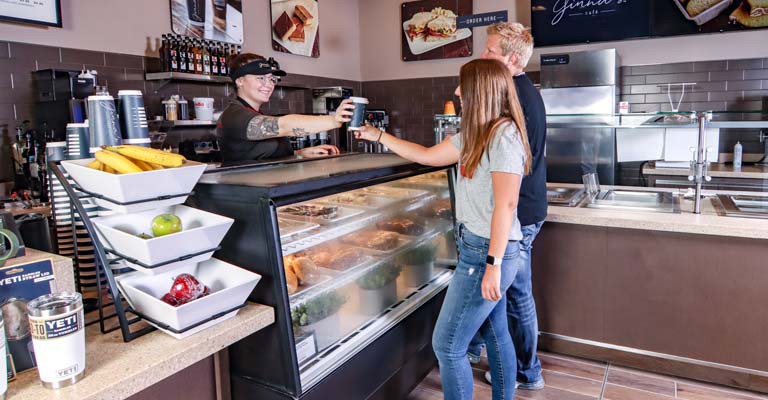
<point x="474" y="197"/>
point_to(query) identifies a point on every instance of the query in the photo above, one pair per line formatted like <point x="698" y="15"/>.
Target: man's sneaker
<point x="473" y="359"/>
<point x="538" y="385"/>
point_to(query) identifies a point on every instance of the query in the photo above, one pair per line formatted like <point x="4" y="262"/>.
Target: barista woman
<point x="247" y="134"/>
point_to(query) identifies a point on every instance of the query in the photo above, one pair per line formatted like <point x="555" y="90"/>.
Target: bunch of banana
<point x="127" y="159"/>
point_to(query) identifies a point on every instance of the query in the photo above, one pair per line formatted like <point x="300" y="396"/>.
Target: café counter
<point x="654" y="291"/>
<point x="152" y="366"/>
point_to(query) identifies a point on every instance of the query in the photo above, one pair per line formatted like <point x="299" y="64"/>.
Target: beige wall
<point x="132" y="27"/>
<point x="381" y="36"/>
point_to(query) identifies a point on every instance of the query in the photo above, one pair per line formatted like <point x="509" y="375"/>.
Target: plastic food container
<point x="201" y="231"/>
<point x="230" y="286"/>
<point x="137" y="186"/>
<point x="351" y="240"/>
<point x="342" y="213"/>
<point x="708" y="14"/>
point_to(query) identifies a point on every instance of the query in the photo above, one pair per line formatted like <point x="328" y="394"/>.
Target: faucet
<point x="699" y="165"/>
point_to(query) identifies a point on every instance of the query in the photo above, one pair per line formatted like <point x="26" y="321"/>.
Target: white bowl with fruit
<point x="162" y="235"/>
<point x="121" y="174"/>
<point x="189" y="294"/>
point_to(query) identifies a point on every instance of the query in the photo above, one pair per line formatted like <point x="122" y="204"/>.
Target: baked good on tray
<point x="751" y="13"/>
<point x="438" y="209"/>
<point x="311" y="210"/>
<point x="401" y="225"/>
<point x="335" y="256"/>
<point x="696" y="7"/>
<point x="300" y="271"/>
<point x="373" y="239"/>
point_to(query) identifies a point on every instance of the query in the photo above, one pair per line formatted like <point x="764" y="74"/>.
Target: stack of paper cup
<point x="133" y="118"/>
<point x="203" y="108"/>
<point x="103" y="122"/>
<point x="78" y="141"/>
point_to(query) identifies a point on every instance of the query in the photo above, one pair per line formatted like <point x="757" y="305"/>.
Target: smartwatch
<point x="491" y="260"/>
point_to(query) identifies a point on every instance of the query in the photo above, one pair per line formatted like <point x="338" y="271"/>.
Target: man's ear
<point x="512" y="61"/>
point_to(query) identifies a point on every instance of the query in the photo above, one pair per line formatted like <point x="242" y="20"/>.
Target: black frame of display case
<point x="266" y="362"/>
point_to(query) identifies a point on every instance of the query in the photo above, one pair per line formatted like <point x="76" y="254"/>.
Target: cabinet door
<point x="357" y="262"/>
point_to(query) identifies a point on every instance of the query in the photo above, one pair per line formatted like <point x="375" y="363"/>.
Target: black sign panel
<point x="580" y="21"/>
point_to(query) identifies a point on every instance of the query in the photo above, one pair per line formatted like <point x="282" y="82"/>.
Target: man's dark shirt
<point x="235" y="146"/>
<point x="532" y="207"/>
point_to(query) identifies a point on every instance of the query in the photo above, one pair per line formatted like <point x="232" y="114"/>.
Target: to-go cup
<point x="358" y="116"/>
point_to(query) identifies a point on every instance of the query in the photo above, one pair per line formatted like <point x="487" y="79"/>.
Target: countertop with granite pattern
<point x="115" y="369"/>
<point x="711" y="221"/>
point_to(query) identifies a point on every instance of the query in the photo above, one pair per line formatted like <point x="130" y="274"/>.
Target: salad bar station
<point x="355" y="254"/>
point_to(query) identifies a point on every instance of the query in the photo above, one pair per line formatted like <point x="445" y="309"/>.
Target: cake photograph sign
<point x="296" y="27"/>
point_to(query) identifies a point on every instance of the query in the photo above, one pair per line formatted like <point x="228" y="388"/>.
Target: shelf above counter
<point x="183" y="76"/>
<point x="189" y="123"/>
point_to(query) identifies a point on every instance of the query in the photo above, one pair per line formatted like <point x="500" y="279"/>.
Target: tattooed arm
<point x="263" y="127"/>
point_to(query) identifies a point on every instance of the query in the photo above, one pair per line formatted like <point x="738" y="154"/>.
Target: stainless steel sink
<point x="562" y="196"/>
<point x="629" y="200"/>
<point x="744" y="206"/>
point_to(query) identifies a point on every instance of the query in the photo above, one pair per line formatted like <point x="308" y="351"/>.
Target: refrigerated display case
<point x="355" y="254"/>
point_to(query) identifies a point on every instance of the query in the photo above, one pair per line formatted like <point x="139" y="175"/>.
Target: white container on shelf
<point x="200" y="231"/>
<point x="230" y="286"/>
<point x="126" y="188"/>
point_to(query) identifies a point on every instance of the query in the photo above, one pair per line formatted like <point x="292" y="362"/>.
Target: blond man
<point x="512" y="44"/>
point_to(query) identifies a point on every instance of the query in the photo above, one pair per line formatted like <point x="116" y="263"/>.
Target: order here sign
<point x="474" y="20"/>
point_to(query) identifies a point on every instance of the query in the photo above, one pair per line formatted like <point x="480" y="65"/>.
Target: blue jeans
<point x="521" y="311"/>
<point x="465" y="312"/>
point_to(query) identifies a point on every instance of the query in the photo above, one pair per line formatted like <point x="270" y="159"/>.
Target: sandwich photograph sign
<point x="430" y="31"/>
<point x="296" y="27"/>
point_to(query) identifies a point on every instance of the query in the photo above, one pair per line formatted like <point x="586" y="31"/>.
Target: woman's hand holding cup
<point x="369" y="133"/>
<point x="344" y="112"/>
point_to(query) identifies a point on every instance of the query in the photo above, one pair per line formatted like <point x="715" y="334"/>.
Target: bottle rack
<point x="127" y="317"/>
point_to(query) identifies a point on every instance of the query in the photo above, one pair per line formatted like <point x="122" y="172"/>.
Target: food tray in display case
<point x="336" y="256"/>
<point x="407" y="225"/>
<point x="398" y="193"/>
<point x="377" y="242"/>
<point x="289" y="227"/>
<point x="302" y="274"/>
<point x="360" y="199"/>
<point x="323" y="214"/>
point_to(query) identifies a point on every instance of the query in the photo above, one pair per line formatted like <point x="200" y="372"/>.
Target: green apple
<point x="165" y="224"/>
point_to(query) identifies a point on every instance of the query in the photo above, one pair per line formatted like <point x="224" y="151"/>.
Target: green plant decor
<point x="379" y="277"/>
<point x="419" y="255"/>
<point x="318" y="308"/>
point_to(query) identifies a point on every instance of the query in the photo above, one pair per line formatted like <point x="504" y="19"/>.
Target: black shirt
<point x="532" y="206"/>
<point x="232" y="133"/>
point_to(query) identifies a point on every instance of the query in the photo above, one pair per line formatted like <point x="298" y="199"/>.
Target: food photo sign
<point x="220" y="20"/>
<point x="296" y="27"/>
<point x="430" y="30"/>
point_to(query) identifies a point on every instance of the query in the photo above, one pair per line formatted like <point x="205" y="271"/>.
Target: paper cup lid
<point x="362" y="100"/>
<point x="97" y="97"/>
<point x="129" y="93"/>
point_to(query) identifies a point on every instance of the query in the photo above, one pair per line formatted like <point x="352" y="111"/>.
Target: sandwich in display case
<point x="355" y="254"/>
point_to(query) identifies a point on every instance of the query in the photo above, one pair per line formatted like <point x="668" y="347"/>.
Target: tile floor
<point x="571" y="378"/>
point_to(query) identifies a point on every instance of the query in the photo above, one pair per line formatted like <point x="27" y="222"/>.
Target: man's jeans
<point x="521" y="312"/>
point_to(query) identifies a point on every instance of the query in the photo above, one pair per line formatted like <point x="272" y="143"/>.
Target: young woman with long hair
<point x="493" y="155"/>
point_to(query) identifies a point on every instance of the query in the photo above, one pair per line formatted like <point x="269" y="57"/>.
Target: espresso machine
<point x="61" y="98"/>
<point x="446" y="125"/>
<point x="378" y="119"/>
<point x="325" y="101"/>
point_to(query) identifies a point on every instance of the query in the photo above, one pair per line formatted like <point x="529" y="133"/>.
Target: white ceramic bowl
<point x="230" y="286"/>
<point x="137" y="186"/>
<point x="200" y="231"/>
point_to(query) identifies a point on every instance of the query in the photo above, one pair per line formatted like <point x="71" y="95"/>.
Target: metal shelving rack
<point x="127" y="317"/>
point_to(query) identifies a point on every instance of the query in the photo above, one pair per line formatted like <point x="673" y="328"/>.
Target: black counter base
<point x="389" y="368"/>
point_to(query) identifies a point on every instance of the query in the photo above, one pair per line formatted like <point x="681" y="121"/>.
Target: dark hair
<point x="243" y="59"/>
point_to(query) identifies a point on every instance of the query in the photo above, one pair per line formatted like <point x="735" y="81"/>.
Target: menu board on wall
<point x="557" y="22"/>
<point x="41" y="12"/>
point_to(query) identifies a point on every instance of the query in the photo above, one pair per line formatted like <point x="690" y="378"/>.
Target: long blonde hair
<point x="489" y="99"/>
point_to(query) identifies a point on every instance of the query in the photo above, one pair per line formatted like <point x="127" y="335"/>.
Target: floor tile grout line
<point x="605" y="381"/>
<point x="675" y="388"/>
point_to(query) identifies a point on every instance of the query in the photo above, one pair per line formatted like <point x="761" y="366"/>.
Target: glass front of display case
<point x="357" y="262"/>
